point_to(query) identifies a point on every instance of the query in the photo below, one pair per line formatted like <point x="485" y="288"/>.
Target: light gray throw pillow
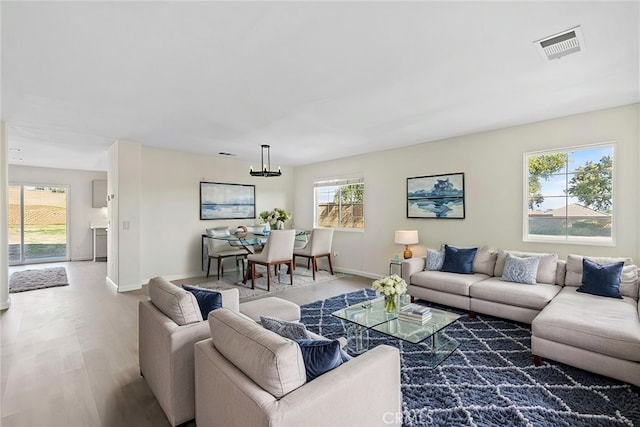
<point x="520" y="270"/>
<point x="286" y="329"/>
<point x="434" y="260"/>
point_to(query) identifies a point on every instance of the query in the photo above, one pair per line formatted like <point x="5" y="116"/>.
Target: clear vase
<point x="391" y="303"/>
<point x="279" y="225"/>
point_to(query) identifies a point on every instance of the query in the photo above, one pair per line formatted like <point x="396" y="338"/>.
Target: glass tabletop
<point x="415" y="333"/>
<point x="371" y="314"/>
<point x="252" y="239"/>
<point x="368" y="314"/>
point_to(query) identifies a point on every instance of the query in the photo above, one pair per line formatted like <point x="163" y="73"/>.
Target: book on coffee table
<point x="415" y="313"/>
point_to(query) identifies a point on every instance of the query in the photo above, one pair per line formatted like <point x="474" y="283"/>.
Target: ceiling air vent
<point x="561" y="44"/>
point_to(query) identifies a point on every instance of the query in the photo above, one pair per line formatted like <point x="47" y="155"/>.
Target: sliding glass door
<point x="37" y="223"/>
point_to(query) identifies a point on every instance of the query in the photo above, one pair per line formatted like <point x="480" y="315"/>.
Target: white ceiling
<point x="317" y="81"/>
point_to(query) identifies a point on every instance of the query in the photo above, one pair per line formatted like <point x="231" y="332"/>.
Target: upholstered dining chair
<point x="221" y="251"/>
<point x="319" y="246"/>
<point x="277" y="251"/>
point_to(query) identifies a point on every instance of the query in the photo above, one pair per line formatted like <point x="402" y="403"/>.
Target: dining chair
<point x="277" y="251"/>
<point x="216" y="250"/>
<point x="319" y="246"/>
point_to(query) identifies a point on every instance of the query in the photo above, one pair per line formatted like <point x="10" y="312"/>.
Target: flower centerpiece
<point x="392" y="287"/>
<point x="275" y="218"/>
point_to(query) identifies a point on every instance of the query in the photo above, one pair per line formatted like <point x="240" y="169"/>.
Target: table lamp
<point x="406" y="238"/>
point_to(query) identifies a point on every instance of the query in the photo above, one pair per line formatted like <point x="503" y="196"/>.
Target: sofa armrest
<point x="410" y="266"/>
<point x="364" y="391"/>
<point x="166" y="360"/>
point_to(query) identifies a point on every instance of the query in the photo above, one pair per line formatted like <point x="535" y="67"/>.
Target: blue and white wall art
<point x="436" y="196"/>
<point x="227" y="201"/>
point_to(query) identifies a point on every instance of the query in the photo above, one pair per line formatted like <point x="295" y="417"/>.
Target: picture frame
<point x="436" y="196"/>
<point x="220" y="200"/>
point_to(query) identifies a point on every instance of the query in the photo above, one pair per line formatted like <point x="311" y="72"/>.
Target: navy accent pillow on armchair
<point x="208" y="299"/>
<point x="601" y="279"/>
<point x="458" y="260"/>
<point x="320" y="356"/>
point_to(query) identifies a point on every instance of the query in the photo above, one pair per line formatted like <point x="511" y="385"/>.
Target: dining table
<point x="252" y="242"/>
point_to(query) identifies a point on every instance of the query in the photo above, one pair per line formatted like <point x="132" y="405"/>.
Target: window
<point x="570" y="195"/>
<point x="339" y="203"/>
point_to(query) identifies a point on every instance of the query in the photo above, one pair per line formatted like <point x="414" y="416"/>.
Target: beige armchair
<point x="249" y="376"/>
<point x="277" y="251"/>
<point x="319" y="246"/>
<point x="169" y="324"/>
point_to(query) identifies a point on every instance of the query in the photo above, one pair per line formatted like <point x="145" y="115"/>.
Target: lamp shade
<point x="406" y="237"/>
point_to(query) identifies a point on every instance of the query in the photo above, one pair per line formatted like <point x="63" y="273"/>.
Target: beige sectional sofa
<point x="595" y="333"/>
<point x="169" y="325"/>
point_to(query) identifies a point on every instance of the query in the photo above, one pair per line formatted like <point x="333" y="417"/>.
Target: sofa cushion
<point x="271" y="306"/>
<point x="546" y="267"/>
<point x="174" y="302"/>
<point x="458" y="260"/>
<point x="628" y="277"/>
<point x="601" y="279"/>
<point x="534" y="296"/>
<point x="208" y="299"/>
<point x="485" y="261"/>
<point x="284" y="328"/>
<point x="604" y="325"/>
<point x="320" y="356"/>
<point x="271" y="361"/>
<point x="452" y="283"/>
<point x="520" y="270"/>
<point x="434" y="260"/>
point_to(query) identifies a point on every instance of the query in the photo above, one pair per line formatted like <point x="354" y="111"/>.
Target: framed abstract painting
<point x="436" y="196"/>
<point x="227" y="201"/>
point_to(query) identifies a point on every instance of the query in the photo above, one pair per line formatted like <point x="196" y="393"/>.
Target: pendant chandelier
<point x="266" y="167"/>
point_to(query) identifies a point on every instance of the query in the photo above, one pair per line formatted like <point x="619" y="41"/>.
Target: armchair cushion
<point x="269" y="360"/>
<point x="320" y="356"/>
<point x="208" y="299"/>
<point x="174" y="302"/>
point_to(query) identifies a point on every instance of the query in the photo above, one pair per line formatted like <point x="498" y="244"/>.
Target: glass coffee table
<point x="370" y="315"/>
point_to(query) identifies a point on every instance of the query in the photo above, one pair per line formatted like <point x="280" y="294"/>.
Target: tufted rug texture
<point x="490" y="380"/>
<point x="29" y="280"/>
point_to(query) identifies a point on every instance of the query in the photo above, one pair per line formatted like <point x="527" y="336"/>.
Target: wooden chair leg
<point x="330" y="266"/>
<point x="291" y="271"/>
<point x="314" y="263"/>
<point x="308" y="261"/>
<point x="253" y="275"/>
<point x="220" y="266"/>
<point x="209" y="267"/>
<point x="268" y="280"/>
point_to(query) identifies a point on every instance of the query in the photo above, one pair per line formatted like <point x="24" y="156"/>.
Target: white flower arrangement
<point x="272" y="217"/>
<point x="390" y="286"/>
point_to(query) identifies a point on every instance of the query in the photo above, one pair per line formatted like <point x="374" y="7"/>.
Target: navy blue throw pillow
<point x="458" y="260"/>
<point x="320" y="356"/>
<point x="601" y="279"/>
<point x="208" y="299"/>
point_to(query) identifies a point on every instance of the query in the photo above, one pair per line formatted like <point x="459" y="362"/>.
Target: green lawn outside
<point x="39" y="234"/>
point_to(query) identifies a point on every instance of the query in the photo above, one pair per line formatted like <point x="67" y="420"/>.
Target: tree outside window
<point x="570" y="195"/>
<point x="339" y="204"/>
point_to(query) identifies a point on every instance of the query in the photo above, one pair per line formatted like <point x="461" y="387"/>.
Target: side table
<point x="395" y="264"/>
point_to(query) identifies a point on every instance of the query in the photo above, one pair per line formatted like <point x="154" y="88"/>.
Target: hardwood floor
<point x="69" y="355"/>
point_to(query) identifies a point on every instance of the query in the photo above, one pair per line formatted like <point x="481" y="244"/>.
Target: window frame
<point x="333" y="182"/>
<point x="566" y="239"/>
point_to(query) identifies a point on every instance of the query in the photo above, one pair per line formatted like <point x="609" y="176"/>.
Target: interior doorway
<point x="38" y="223"/>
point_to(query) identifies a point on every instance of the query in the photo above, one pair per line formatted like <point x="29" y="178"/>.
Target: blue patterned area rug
<point x="490" y="380"/>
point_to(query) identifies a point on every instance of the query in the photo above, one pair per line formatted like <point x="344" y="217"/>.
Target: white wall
<point x="123" y="237"/>
<point x="493" y="166"/>
<point x="170" y="222"/>
<point x="80" y="211"/>
<point x="5" y="300"/>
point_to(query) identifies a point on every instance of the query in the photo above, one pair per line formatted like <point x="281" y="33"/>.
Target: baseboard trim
<point x="357" y="273"/>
